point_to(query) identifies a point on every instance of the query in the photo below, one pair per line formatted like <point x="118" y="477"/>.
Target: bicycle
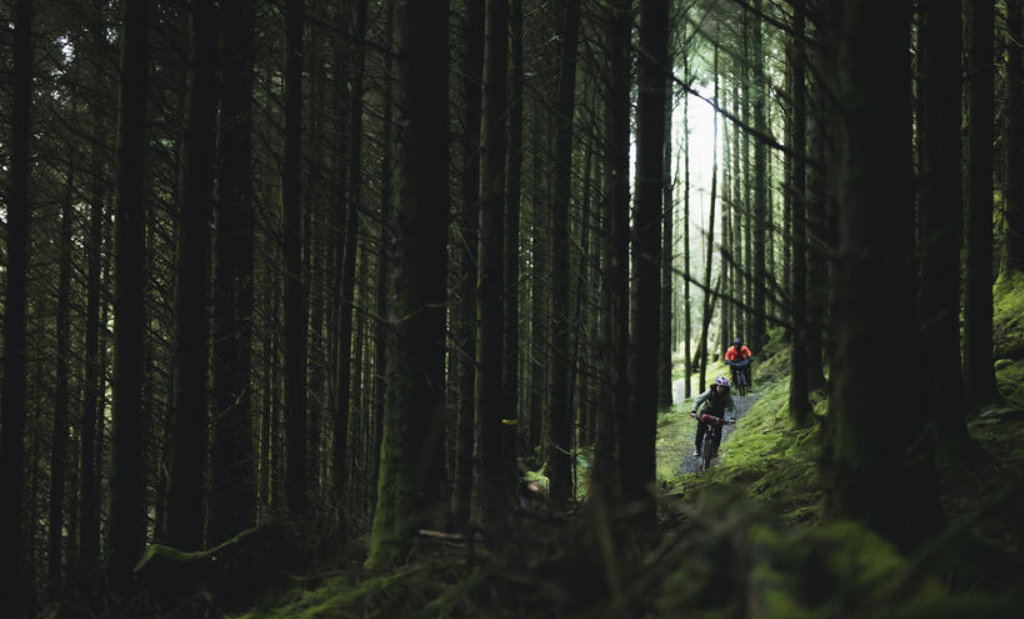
<point x="712" y="438"/>
<point x="739" y="374"/>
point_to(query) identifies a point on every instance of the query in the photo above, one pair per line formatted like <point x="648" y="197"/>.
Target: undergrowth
<point x="747" y="538"/>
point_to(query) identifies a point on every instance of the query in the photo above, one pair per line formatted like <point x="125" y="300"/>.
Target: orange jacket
<point x="734" y="354"/>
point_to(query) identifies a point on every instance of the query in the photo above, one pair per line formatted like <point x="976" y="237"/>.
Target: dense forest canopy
<point x="405" y="304"/>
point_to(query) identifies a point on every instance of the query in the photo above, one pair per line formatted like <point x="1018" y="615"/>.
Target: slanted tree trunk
<point x="232" y="466"/>
<point x="12" y="415"/>
<point x="882" y="472"/>
<point x="297" y="480"/>
<point x="940" y="215"/>
<point x="192" y="339"/>
<point x="979" y="373"/>
<point x="410" y="493"/>
<point x="559" y="422"/>
<point x="489" y="494"/>
<point x="127" y="524"/>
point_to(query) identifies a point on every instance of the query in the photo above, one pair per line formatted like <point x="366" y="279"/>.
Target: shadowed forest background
<point x="397" y="308"/>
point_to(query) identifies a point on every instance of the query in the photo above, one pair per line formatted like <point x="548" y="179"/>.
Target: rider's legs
<point x="701" y="430"/>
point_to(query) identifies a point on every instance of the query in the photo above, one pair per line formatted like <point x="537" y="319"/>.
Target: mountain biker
<point x="715" y="401"/>
<point x="736" y="354"/>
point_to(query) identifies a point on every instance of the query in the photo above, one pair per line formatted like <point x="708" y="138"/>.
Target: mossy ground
<point x="765" y="457"/>
<point x="747" y="538"/>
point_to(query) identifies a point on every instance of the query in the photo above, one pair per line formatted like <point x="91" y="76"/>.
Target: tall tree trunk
<point x="540" y="281"/>
<point x="559" y="422"/>
<point x="882" y="472"/>
<point x="667" y="256"/>
<point x="384" y="258"/>
<point x="489" y="495"/>
<point x="90" y="500"/>
<point x="232" y="465"/>
<point x="724" y="251"/>
<point x="513" y="202"/>
<point x="348" y="269"/>
<point x="513" y="218"/>
<point x="61" y="428"/>
<point x="410" y="488"/>
<point x="1013" y="255"/>
<point x="758" y="329"/>
<point x="297" y="479"/>
<point x="799" y="404"/>
<point x="639" y="456"/>
<point x="613" y="417"/>
<point x="978" y="362"/>
<point x="817" y="214"/>
<point x="472" y="78"/>
<point x="688" y="317"/>
<point x="940" y="213"/>
<point x="192" y="340"/>
<point x="709" y="294"/>
<point x="12" y="415"/>
<point x="127" y="523"/>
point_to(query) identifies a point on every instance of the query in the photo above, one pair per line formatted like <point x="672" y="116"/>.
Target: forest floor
<point x="747" y="538"/>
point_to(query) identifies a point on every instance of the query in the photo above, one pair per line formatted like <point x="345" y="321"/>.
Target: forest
<point x="400" y="308"/>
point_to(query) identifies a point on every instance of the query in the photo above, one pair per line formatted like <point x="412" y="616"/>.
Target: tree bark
<point x="559" y="420"/>
<point x="348" y="268"/>
<point x="295" y="338"/>
<point x="90" y="501"/>
<point x="12" y="464"/>
<point x="613" y="417"/>
<point x="759" y="224"/>
<point x="940" y="218"/>
<point x="232" y="466"/>
<point x="799" y="404"/>
<point x="381" y="337"/>
<point x="410" y="489"/>
<point x="687" y="326"/>
<point x="980" y="379"/>
<point x="1013" y="255"/>
<point x="192" y="339"/>
<point x="472" y="79"/>
<point x="667" y="343"/>
<point x="639" y="457"/>
<point x="127" y="523"/>
<point x="882" y="473"/>
<point x="62" y="404"/>
<point x="489" y="494"/>
<point x="513" y="203"/>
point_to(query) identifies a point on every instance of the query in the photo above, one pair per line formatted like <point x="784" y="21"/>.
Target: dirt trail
<point x="691" y="463"/>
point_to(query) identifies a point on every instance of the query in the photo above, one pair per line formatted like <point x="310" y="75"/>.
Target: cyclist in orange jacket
<point x="738" y="357"/>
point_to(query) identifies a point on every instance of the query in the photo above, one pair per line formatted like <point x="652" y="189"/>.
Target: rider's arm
<point x="697" y="401"/>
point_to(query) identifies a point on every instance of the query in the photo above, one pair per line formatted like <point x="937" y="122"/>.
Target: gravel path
<point x="691" y="463"/>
